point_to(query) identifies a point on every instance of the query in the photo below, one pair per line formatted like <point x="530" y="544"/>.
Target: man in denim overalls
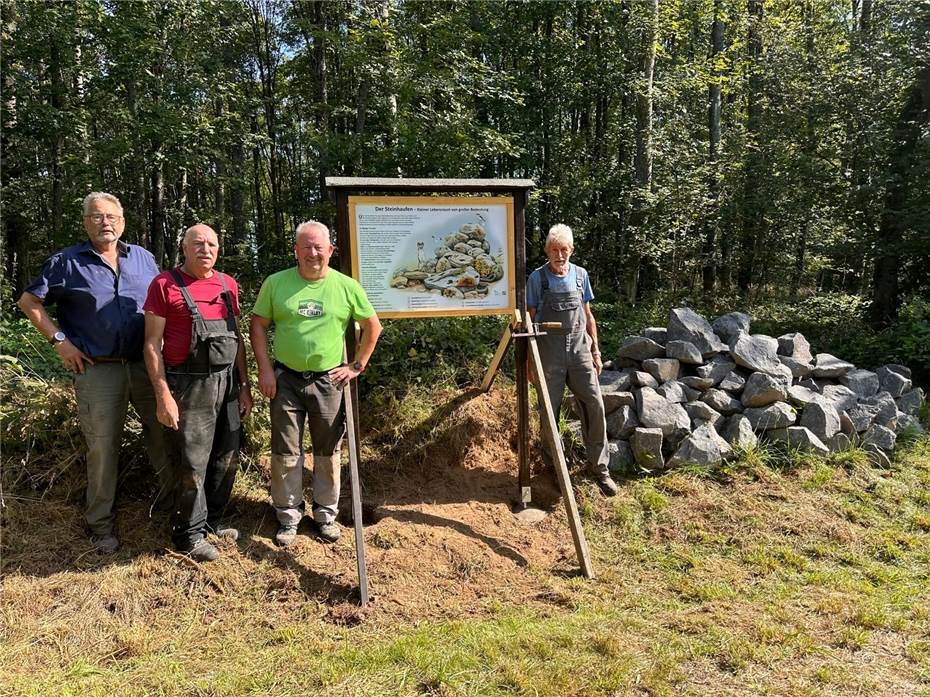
<point x="195" y="357"/>
<point x="561" y="292"/>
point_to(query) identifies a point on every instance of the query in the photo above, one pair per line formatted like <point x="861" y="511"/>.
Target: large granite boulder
<point x="662" y="369"/>
<point x="643" y="379"/>
<point x="721" y="401"/>
<point x="673" y="391"/>
<point x="800" y="438"/>
<point x="879" y="437"/>
<point x="703" y="447"/>
<point x="798" y="395"/>
<point x="763" y="389"/>
<point x="646" y="444"/>
<point x="730" y="325"/>
<point x="696" y="382"/>
<point x="733" y="383"/>
<point x="620" y="424"/>
<point x="715" y="370"/>
<point x="639" y="348"/>
<point x="840" y="397"/>
<point x="614" y="380"/>
<point x="615" y="400"/>
<point x="863" y="382"/>
<point x="777" y="415"/>
<point x="799" y="369"/>
<point x="826" y="365"/>
<point x="795" y="346"/>
<point x="657" y="412"/>
<point x="757" y="353"/>
<point x="621" y="456"/>
<point x="739" y="432"/>
<point x="701" y="412"/>
<point x="657" y="334"/>
<point x="684" y="351"/>
<point x="893" y="381"/>
<point x="911" y="401"/>
<point x="823" y="420"/>
<point x="685" y="324"/>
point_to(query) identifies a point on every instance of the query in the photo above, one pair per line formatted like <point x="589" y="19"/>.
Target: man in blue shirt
<point x="98" y="288"/>
<point x="561" y="292"/>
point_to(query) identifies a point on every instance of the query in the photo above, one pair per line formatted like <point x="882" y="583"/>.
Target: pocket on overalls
<point x="565" y="305"/>
<point x="222" y="349"/>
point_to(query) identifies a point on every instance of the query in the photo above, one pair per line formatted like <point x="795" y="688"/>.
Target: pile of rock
<point x="693" y="391"/>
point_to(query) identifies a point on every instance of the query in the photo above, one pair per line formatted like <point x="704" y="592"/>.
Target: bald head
<point x="201" y="248"/>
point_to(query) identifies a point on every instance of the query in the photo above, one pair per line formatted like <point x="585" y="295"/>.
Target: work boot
<point x="607" y="485"/>
<point x="286" y="535"/>
<point x="203" y="551"/>
<point x="105" y="544"/>
<point x="221" y="530"/>
<point x="328" y="532"/>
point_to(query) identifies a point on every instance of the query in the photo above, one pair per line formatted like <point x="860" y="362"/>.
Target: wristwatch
<point x="57" y="338"/>
<point x="357" y="366"/>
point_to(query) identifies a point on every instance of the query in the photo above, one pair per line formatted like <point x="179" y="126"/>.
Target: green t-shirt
<point x="310" y="317"/>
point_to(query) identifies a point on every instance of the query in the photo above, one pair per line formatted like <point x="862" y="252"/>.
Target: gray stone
<point x="715" y="370"/>
<point x="880" y="436"/>
<point x="657" y="412"/>
<point x="729" y="326"/>
<point x="615" y="400"/>
<point x="620" y="424"/>
<point x="684" y="351"/>
<point x="640" y="348"/>
<point x="887" y="408"/>
<point x="685" y="324"/>
<point x="795" y="346"/>
<point x="877" y="456"/>
<point x="614" y="380"/>
<point x="620" y="454"/>
<point x="662" y="369"/>
<point x="822" y="420"/>
<point x="643" y="379"/>
<point x="810" y="384"/>
<point x="861" y="416"/>
<point x="722" y="401"/>
<point x="909" y="424"/>
<point x="704" y="447"/>
<point x="826" y="365"/>
<point x="840" y="397"/>
<point x="701" y="412"/>
<point x="757" y="352"/>
<point x="697" y="383"/>
<point x="657" y="334"/>
<point x="902" y="370"/>
<point x="673" y="391"/>
<point x="892" y="381"/>
<point x="798" y="395"/>
<point x="777" y="415"/>
<point x="911" y="401"/>
<point x="863" y="382"/>
<point x="646" y="444"/>
<point x="762" y="389"/>
<point x="800" y="438"/>
<point x="799" y="369"/>
<point x="739" y="432"/>
<point x="733" y="383"/>
<point x="691" y="394"/>
<point x="839" y="443"/>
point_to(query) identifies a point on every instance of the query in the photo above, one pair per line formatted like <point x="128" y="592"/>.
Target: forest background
<point x="731" y="154"/>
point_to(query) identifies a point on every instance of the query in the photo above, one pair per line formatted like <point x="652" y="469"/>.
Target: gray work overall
<point x="566" y="359"/>
<point x="204" y="450"/>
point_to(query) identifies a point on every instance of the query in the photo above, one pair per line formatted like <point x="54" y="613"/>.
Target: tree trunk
<point x="752" y="183"/>
<point x="810" y="147"/>
<point x="711" y="219"/>
<point x="158" y="212"/>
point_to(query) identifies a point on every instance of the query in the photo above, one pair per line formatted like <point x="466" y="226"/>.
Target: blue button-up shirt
<point x="98" y="309"/>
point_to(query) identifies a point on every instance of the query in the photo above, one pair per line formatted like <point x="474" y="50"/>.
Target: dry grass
<point x="760" y="580"/>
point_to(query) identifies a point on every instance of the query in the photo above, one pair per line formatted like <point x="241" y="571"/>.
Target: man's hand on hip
<point x="340" y="375"/>
<point x="73" y="357"/>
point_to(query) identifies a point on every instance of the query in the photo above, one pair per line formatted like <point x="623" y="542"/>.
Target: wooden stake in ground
<point x="351" y="424"/>
<point x="561" y="469"/>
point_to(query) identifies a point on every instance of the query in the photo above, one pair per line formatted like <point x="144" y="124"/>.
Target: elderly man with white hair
<point x="310" y="306"/>
<point x="561" y="292"/>
<point x="97" y="288"/>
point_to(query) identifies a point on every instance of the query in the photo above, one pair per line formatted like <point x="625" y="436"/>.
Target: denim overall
<point x="566" y="359"/>
<point x="205" y="447"/>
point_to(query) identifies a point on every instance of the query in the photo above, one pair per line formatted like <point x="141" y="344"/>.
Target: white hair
<point x="101" y="196"/>
<point x="560" y="233"/>
<point x="303" y="227"/>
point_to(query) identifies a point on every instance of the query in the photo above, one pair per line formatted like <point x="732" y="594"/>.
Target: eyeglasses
<point x="98" y="218"/>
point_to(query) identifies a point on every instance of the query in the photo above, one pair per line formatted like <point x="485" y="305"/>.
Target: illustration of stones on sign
<point x="460" y="267"/>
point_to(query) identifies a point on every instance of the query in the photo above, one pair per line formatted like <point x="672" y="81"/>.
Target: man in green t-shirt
<point x="310" y="306"/>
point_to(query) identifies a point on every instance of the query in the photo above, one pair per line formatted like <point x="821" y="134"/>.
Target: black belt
<point x="305" y="374"/>
<point x="110" y="359"/>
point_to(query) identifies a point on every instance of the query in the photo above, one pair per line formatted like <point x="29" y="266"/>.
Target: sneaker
<point x="286" y="535"/>
<point x="226" y="532"/>
<point x="105" y="544"/>
<point x="203" y="551"/>
<point x="607" y="485"/>
<point x="328" y="532"/>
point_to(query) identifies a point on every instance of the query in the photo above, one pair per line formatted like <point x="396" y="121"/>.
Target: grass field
<point x="778" y="575"/>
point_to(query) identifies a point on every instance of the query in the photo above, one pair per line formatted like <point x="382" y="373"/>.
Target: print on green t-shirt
<point x="310" y="317"/>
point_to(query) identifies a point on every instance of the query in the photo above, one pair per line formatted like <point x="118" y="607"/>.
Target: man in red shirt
<point x="195" y="358"/>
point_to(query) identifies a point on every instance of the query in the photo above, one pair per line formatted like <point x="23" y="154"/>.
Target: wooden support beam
<point x="350" y="401"/>
<point x="498" y="358"/>
<point x="561" y="469"/>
